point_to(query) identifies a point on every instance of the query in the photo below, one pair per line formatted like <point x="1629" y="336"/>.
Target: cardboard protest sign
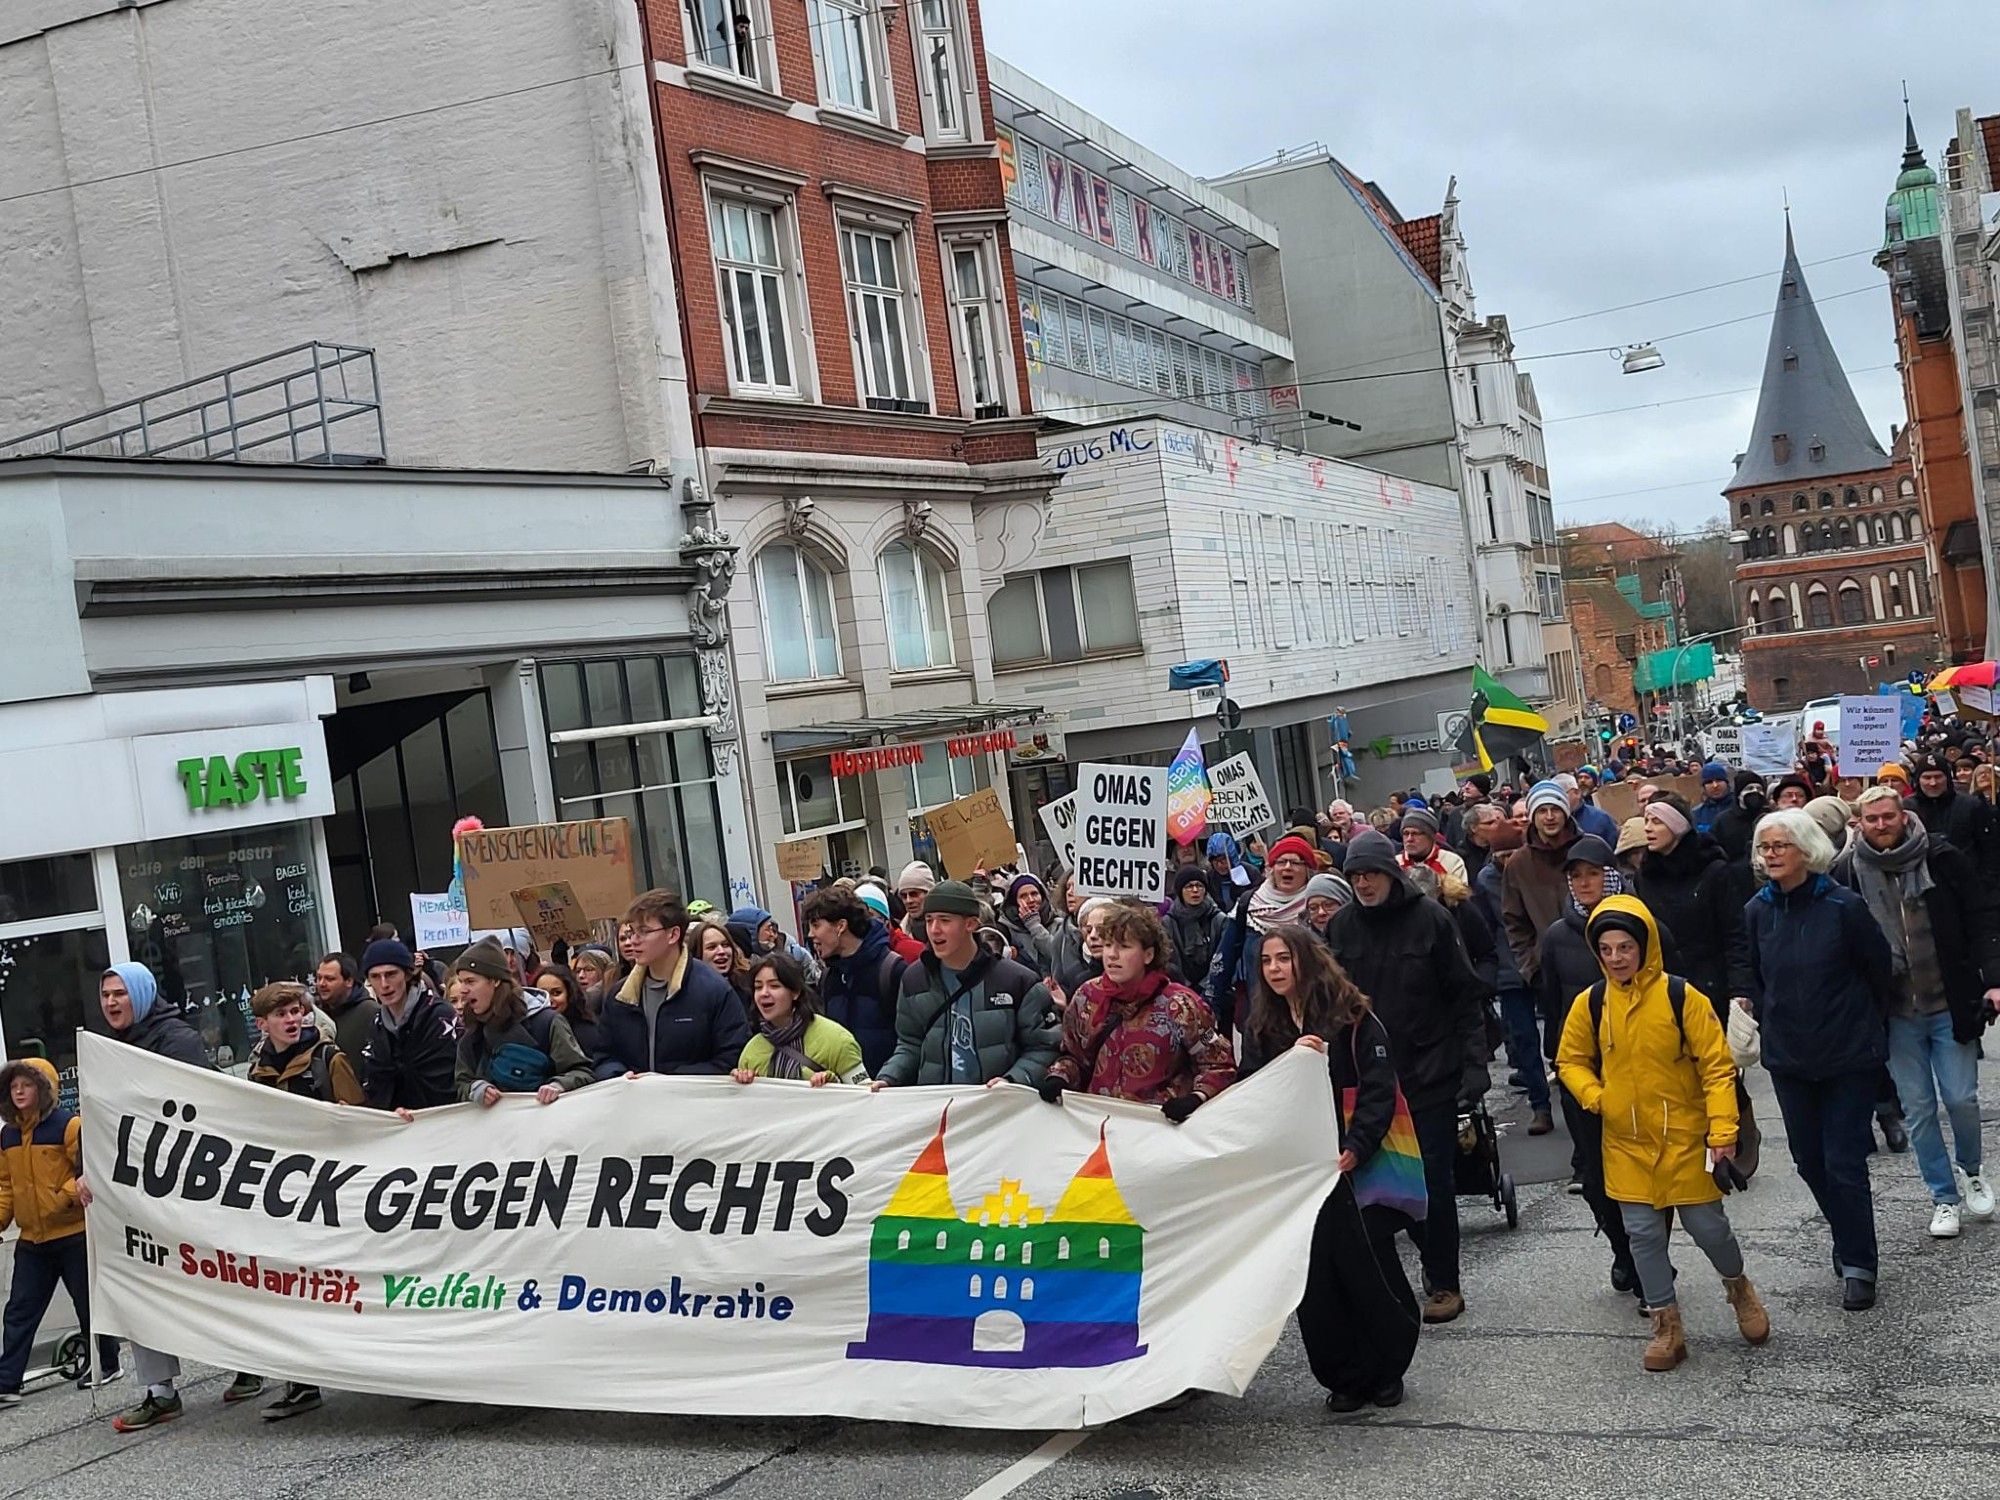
<point x="972" y="833"/>
<point x="1121" y="831"/>
<point x="802" y="859"/>
<point x="1619" y="800"/>
<point x="552" y="913"/>
<point x="1238" y="803"/>
<point x="1871" y="735"/>
<point x="438" y="921"/>
<point x="593" y="858"/>
<point x="812" y="1252"/>
<point x="1059" y="822"/>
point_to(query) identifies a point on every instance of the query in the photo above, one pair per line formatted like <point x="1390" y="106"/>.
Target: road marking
<point x="1017" y="1474"/>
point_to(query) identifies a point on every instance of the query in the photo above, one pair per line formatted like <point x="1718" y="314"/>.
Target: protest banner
<point x="1725" y="743"/>
<point x="1871" y="735"/>
<point x="1121" y="831"/>
<point x="972" y="833"/>
<point x="1188" y="794"/>
<point x="806" y="1252"/>
<point x="438" y="921"/>
<point x="1059" y="822"/>
<point x="552" y="914"/>
<point x="594" y="857"/>
<point x="800" y="860"/>
<point x="1770" y="749"/>
<point x="1975" y="700"/>
<point x="1946" y="706"/>
<point x="1619" y="800"/>
<point x="1238" y="803"/>
<point x="1569" y="755"/>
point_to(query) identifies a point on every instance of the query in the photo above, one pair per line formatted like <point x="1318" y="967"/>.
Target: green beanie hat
<point x="953" y="898"/>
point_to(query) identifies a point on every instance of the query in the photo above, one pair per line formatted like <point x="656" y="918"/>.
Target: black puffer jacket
<point x="1692" y="892"/>
<point x="1966" y="823"/>
<point x="165" y="1033"/>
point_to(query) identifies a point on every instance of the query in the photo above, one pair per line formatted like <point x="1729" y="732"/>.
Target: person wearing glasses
<point x="1822" y="985"/>
<point x="1290" y="865"/>
<point x="673" y="1013"/>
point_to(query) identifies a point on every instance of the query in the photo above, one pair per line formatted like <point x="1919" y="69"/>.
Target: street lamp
<point x="1639" y="358"/>
<point x="1674" y="669"/>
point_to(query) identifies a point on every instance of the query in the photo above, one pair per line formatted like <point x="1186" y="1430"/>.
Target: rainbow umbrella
<point x="1982" y="674"/>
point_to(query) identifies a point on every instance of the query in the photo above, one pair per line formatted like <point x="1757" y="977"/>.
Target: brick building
<point x="1610" y="638"/>
<point x="1831" y="569"/>
<point x="858" y="386"/>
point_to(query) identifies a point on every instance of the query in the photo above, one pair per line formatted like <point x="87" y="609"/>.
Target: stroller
<point x="1476" y="1170"/>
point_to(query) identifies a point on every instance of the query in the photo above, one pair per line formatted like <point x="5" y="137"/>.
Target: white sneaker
<point x="1975" y="1194"/>
<point x="1944" y="1222"/>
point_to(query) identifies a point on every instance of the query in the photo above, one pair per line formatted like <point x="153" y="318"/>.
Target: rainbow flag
<point x="1394" y="1176"/>
<point x="1187" y="793"/>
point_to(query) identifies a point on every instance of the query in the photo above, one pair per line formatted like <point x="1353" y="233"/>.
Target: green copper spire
<point x="1917" y="213"/>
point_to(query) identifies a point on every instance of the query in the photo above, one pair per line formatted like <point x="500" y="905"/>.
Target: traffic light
<point x="1604" y="735"/>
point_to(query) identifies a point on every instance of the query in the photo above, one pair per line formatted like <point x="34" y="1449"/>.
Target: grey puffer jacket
<point x="1015" y="1028"/>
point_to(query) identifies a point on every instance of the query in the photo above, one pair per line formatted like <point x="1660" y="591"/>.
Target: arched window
<point x="1027" y="1285"/>
<point x="979" y="1250"/>
<point x="1895" y="527"/>
<point x="1895" y="596"/>
<point x="1770" y="541"/>
<point x="1911" y="525"/>
<point x="975" y="1286"/>
<point x="1791" y="538"/>
<point x="1850" y="496"/>
<point x="1000" y="1251"/>
<point x="1852" y="610"/>
<point x="796" y="597"/>
<point x="1846" y="532"/>
<point x="943" y="1239"/>
<point x="1779" y="612"/>
<point x="1744" y="513"/>
<point x="1819" y="607"/>
<point x="1826" y="499"/>
<point x="1062" y="1248"/>
<point x="1826" y="536"/>
<point x="1000" y="1288"/>
<point x="913" y="598"/>
<point x="1907" y="489"/>
<point x="1756" y="613"/>
<point x="1875" y="595"/>
<point x="902" y="1236"/>
<point x="1881" y="531"/>
<point x="1601" y="680"/>
<point x="1104" y="1248"/>
<point x="1875" y="494"/>
<point x="1799" y="501"/>
<point x="1767" y="507"/>
<point x="1028" y="1254"/>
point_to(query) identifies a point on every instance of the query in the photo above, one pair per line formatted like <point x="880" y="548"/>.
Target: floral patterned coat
<point x="1148" y="1042"/>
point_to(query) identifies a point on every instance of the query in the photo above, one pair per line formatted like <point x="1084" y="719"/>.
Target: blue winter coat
<point x="860" y="992"/>
<point x="1824" y="980"/>
<point x="1593" y="819"/>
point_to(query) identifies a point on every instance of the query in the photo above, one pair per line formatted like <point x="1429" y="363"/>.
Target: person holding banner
<point x="508" y="1048"/>
<point x="1358" y="1318"/>
<point x="1133" y="1033"/>
<point x="862" y="978"/>
<point x="412" y="1050"/>
<point x="569" y="999"/>
<point x="673" y="1014"/>
<point x="793" y="1040"/>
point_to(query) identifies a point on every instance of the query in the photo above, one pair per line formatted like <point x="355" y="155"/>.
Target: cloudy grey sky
<point x="1604" y="154"/>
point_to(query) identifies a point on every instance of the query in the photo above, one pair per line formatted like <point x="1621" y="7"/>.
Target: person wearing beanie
<point x="1194" y="926"/>
<point x="1421" y="847"/>
<point x="1718" y="795"/>
<point x="1793" y="790"/>
<point x="1326" y="893"/>
<point x="1405" y="954"/>
<point x="412" y="1048"/>
<point x="966" y="1014"/>
<point x="1735" y="828"/>
<point x="1687" y="884"/>
<point x="1962" y="820"/>
<point x="510" y="1044"/>
<point x="1024" y="916"/>
<point x="1281" y="897"/>
<point x="915" y="883"/>
<point x="1532" y="888"/>
<point x="877" y="900"/>
<point x="1835" y="816"/>
<point x="1894" y="774"/>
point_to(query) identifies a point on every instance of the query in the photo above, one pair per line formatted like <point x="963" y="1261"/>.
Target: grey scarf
<point x="788" y="1053"/>
<point x="1893" y="881"/>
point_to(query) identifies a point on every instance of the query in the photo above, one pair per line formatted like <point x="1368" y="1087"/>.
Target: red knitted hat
<point x="1291" y="843"/>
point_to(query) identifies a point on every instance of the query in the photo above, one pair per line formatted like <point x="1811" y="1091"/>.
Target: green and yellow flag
<point x="1498" y="723"/>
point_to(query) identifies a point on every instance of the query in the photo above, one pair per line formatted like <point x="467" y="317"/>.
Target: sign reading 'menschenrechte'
<point x="1121" y="831"/>
<point x="697" y="1245"/>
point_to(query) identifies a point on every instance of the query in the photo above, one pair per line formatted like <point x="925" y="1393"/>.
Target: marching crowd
<point x="1630" y="970"/>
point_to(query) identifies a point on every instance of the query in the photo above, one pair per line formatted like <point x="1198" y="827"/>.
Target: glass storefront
<point x="214" y="916"/>
<point x="52" y="952"/>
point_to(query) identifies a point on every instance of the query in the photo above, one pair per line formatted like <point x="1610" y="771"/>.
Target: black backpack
<point x="1677" y="994"/>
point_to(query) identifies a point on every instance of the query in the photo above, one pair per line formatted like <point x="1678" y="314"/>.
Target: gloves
<point x="1179" y="1109"/>
<point x="1051" y="1089"/>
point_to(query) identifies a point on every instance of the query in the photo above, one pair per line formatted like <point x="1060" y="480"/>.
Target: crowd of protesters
<point x="1848" y="944"/>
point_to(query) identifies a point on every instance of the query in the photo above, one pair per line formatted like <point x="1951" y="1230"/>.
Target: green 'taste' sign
<point x="219" y="782"/>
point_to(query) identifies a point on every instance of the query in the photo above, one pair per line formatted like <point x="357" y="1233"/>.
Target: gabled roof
<point x="1613" y="608"/>
<point x="1809" y="427"/>
<point x="1989" y="130"/>
<point x="1613" y="541"/>
<point x="1420" y="237"/>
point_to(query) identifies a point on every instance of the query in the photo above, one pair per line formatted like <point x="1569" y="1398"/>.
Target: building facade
<point x="1971" y="242"/>
<point x="1913" y="256"/>
<point x="1831" y="576"/>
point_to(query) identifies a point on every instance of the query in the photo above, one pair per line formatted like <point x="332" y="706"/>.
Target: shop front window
<point x="52" y="954"/>
<point x="217" y="915"/>
<point x="935" y="780"/>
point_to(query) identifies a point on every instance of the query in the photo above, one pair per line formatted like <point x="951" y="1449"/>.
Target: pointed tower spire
<point x="1809" y="426"/>
<point x="1092" y="1196"/>
<point x="925" y="1191"/>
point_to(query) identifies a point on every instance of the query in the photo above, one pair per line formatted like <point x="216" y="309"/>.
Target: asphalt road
<point x="1536" y="1391"/>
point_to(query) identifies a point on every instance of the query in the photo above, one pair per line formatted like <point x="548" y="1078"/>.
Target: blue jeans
<point x="1928" y="1063"/>
<point x="1827" y="1124"/>
<point x="1524" y="1044"/>
<point x="38" y="1271"/>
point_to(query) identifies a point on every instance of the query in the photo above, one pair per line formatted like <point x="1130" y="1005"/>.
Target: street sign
<point x="1626" y="723"/>
<point x="1229" y="714"/>
<point x="1450" y="726"/>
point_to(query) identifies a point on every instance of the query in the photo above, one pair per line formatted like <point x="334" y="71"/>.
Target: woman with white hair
<point x="1823" y="982"/>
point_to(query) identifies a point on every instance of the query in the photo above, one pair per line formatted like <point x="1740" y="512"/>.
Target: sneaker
<point x="1442" y="1307"/>
<point x="10" y="1398"/>
<point x="1574" y="1187"/>
<point x="148" y="1413"/>
<point x="242" y="1388"/>
<point x="1944" y="1222"/>
<point x="109" y="1377"/>
<point x="297" y="1400"/>
<point x="1976" y="1195"/>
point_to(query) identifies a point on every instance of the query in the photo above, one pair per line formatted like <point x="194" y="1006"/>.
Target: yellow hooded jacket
<point x="42" y="1151"/>
<point x="1662" y="1104"/>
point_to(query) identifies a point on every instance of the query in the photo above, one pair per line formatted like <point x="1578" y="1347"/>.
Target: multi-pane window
<point x="800" y="641"/>
<point x="937" y="61"/>
<point x="1064" y="614"/>
<point x="974" y="328"/>
<point x="1100" y="343"/>
<point x="749" y="263"/>
<point x="843" y="42"/>
<point x="723" y="34"/>
<point x="875" y="311"/>
<point x="913" y="599"/>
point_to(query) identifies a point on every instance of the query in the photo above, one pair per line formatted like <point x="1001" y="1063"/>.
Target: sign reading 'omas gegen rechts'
<point x="254" y="775"/>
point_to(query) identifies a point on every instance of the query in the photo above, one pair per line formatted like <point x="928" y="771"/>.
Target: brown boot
<point x="1668" y="1346"/>
<point x="1751" y="1319"/>
<point x="1542" y="1123"/>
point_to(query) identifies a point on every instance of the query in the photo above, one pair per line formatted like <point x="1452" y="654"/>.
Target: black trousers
<point x="1436" y="1238"/>
<point x="1586" y="1162"/>
<point x="1358" y="1320"/>
<point x="38" y="1271"/>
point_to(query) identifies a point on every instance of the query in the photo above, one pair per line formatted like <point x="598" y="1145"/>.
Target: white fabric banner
<point x="1770" y="749"/>
<point x="959" y="1256"/>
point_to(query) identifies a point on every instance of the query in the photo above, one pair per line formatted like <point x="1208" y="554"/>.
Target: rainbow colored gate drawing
<point x="1007" y="1284"/>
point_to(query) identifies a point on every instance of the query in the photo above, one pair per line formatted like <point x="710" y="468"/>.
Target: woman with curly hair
<point x="1358" y="1319"/>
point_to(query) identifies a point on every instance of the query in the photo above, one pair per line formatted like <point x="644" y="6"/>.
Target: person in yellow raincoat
<point x="1666" y="1091"/>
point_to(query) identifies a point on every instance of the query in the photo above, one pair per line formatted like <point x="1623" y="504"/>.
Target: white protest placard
<point x="1059" y="822"/>
<point x="438" y="921"/>
<point x="1121" y="831"/>
<point x="1871" y="735"/>
<point x="1946" y="707"/>
<point x="1439" y="781"/>
<point x="1770" y="749"/>
<point x="1726" y="744"/>
<point x="1978" y="700"/>
<point x="806" y="1252"/>
<point x="1237" y="802"/>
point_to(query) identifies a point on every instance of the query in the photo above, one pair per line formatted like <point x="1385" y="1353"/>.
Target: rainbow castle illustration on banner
<point x="1005" y="1284"/>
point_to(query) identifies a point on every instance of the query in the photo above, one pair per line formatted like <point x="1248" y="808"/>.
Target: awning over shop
<point x="916" y="725"/>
